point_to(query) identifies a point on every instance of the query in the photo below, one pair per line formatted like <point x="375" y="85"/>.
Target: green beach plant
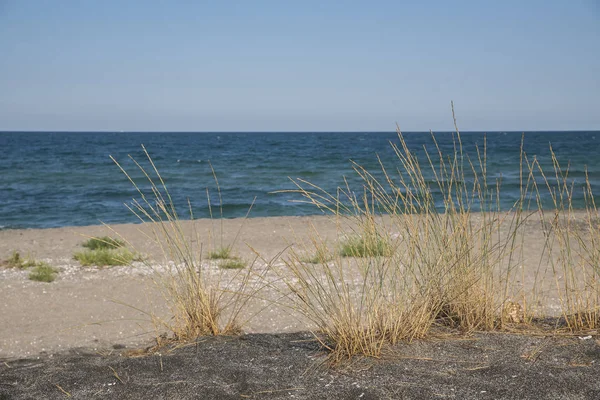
<point x="105" y="256"/>
<point x="17" y="261"/>
<point x="221" y="253"/>
<point x="43" y="272"/>
<point x="366" y="245"/>
<point x="14" y="261"/>
<point x="102" y="243"/>
<point x="232" y="263"/>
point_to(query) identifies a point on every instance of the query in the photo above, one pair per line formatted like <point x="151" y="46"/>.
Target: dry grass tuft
<point x="421" y="252"/>
<point x="572" y="240"/>
<point x="203" y="301"/>
<point x="421" y="244"/>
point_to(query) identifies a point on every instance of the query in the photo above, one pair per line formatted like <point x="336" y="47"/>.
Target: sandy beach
<point x="78" y="332"/>
<point x="98" y="307"/>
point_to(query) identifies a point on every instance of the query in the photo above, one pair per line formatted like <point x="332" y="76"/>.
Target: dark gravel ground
<point x="272" y="366"/>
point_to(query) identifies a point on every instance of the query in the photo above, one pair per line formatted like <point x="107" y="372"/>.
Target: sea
<point x="56" y="179"/>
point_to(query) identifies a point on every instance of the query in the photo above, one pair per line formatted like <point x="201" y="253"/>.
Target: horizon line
<point x="305" y="131"/>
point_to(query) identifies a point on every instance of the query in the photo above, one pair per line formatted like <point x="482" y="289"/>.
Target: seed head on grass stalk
<point x="203" y="301"/>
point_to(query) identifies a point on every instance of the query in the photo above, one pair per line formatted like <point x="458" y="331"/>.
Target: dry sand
<point x="95" y="308"/>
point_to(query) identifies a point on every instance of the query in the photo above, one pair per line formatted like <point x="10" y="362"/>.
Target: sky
<point x="299" y="65"/>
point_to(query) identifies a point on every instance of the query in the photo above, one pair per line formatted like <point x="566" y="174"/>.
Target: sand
<point x="70" y="336"/>
<point x="291" y="366"/>
<point x="98" y="307"/>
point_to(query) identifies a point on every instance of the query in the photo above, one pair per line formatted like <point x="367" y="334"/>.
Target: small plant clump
<point x="104" y="257"/>
<point x="204" y="301"/>
<point x="43" y="272"/>
<point x="40" y="271"/>
<point x="321" y="255"/>
<point x="228" y="260"/>
<point x="16" y="261"/>
<point x="104" y="242"/>
<point x="365" y="246"/>
<point x="104" y="251"/>
<point x="233" y="263"/>
<point x="222" y="253"/>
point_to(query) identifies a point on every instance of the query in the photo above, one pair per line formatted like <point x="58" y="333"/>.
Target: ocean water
<point x="54" y="179"/>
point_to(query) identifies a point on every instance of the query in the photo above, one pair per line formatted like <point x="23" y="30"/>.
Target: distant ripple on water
<point x="62" y="179"/>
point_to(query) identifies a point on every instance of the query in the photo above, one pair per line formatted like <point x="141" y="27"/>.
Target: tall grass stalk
<point x="203" y="301"/>
<point x="454" y="256"/>
<point x="444" y="261"/>
<point x="572" y="241"/>
<point x="222" y="250"/>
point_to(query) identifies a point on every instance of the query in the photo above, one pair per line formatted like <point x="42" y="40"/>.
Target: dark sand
<point x="290" y="366"/>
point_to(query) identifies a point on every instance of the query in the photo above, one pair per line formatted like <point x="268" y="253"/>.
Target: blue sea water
<point x="54" y="179"/>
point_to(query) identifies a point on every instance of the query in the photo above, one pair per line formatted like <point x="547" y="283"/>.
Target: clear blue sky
<point x="299" y="65"/>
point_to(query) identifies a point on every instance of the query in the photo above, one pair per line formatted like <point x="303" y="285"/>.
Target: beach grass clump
<point x="18" y="262"/>
<point x="42" y="272"/>
<point x="421" y="253"/>
<point x="203" y="301"/>
<point x="458" y="259"/>
<point x="227" y="259"/>
<point x="232" y="263"/>
<point x="369" y="245"/>
<point x="321" y="254"/>
<point x="572" y="245"/>
<point x="15" y="261"/>
<point x="220" y="250"/>
<point x="104" y="257"/>
<point x="103" y="243"/>
<point x="221" y="253"/>
<point x="38" y="270"/>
